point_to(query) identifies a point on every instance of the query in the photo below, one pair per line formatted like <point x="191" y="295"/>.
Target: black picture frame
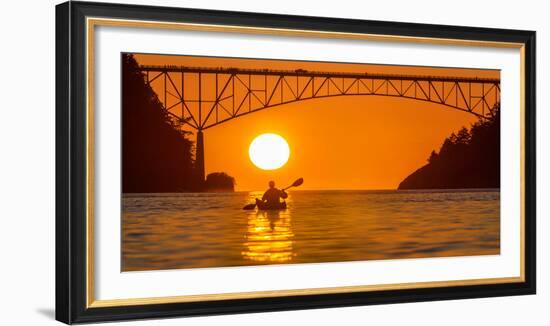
<point x="71" y="157"/>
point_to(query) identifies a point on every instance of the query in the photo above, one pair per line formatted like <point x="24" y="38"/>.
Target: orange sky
<point x="343" y="142"/>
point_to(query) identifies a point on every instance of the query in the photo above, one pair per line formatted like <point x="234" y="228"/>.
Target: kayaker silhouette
<point x="271" y="198"/>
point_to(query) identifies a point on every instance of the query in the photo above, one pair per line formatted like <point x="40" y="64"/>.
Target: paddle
<point x="296" y="183"/>
<point x="249" y="207"/>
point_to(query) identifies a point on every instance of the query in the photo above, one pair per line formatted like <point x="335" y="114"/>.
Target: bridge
<point x="204" y="97"/>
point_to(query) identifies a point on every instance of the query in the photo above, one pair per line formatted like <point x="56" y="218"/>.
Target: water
<point x="192" y="230"/>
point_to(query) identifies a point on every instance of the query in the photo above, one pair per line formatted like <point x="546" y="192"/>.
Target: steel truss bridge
<point x="203" y="97"/>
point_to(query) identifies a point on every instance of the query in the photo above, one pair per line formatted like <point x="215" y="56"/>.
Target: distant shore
<point x="442" y="190"/>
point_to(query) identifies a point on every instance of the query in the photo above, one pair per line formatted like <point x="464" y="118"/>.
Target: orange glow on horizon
<point x="342" y="142"/>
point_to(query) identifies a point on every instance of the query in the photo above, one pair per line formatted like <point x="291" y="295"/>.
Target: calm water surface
<point x="167" y="231"/>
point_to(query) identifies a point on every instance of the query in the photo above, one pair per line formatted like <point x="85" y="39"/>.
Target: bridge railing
<point x="309" y="73"/>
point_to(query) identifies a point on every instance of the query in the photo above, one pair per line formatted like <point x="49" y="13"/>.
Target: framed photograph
<point x="214" y="162"/>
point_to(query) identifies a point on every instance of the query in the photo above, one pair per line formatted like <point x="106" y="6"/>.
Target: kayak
<point x="265" y="207"/>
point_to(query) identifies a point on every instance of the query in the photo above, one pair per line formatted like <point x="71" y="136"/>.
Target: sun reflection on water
<point x="269" y="237"/>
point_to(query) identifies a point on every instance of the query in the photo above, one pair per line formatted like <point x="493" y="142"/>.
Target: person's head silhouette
<point x="271" y="184"/>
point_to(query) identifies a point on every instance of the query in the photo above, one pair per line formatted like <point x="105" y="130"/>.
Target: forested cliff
<point x="467" y="159"/>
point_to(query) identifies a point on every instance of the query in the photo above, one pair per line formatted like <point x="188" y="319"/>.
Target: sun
<point x="269" y="151"/>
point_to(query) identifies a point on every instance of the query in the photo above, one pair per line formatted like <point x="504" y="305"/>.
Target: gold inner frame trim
<point x="279" y="293"/>
<point x="92" y="22"/>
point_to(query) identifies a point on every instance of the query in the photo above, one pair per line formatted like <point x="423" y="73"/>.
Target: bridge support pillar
<point x="199" y="159"/>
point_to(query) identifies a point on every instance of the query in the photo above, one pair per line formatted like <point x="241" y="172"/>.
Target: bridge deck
<point x="308" y="73"/>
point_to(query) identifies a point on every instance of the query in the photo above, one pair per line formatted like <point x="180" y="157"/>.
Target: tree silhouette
<point x="467" y="159"/>
<point x="156" y="154"/>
